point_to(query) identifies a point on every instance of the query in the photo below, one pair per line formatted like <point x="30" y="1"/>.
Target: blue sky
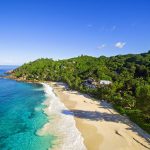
<point x="31" y="29"/>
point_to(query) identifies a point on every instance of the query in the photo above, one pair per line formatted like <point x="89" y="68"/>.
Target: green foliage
<point x="130" y="76"/>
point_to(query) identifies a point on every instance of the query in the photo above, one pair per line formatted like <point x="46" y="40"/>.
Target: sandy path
<point x="101" y="126"/>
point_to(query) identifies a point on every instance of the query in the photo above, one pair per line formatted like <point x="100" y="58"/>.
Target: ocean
<point x="21" y="115"/>
<point x="31" y="118"/>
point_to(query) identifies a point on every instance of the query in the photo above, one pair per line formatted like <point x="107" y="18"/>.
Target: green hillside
<point x="129" y="91"/>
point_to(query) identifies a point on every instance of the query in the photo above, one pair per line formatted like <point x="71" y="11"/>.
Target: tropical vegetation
<point x="130" y="76"/>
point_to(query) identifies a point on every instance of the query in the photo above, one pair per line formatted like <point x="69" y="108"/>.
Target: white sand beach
<point x="68" y="137"/>
<point x="100" y="125"/>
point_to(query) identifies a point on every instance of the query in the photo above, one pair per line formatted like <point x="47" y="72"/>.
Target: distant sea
<point x="4" y="69"/>
<point x="21" y="115"/>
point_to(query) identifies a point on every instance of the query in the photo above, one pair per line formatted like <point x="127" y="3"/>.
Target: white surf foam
<point x="65" y="124"/>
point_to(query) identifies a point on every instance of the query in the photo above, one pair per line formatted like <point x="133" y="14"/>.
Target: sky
<point x="58" y="29"/>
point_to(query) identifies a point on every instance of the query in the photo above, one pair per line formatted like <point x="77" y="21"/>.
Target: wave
<point x="63" y="126"/>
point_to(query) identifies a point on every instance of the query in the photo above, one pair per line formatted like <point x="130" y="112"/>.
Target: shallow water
<point x="24" y="123"/>
<point x="21" y="116"/>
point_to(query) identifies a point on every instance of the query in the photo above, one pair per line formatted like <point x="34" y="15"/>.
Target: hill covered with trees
<point x="129" y="91"/>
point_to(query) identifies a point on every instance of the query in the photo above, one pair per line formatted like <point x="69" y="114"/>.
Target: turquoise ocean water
<point x="21" y="115"/>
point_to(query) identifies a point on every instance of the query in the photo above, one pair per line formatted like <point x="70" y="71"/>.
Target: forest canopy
<point x="130" y="76"/>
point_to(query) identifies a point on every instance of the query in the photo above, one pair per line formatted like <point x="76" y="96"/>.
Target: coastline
<point x="61" y="126"/>
<point x="99" y="123"/>
<point x="21" y="79"/>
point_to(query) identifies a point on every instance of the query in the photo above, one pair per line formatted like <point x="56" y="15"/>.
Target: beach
<point x="101" y="127"/>
<point x="63" y="127"/>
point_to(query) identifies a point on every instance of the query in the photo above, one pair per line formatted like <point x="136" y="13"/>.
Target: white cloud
<point x="120" y="44"/>
<point x="101" y="46"/>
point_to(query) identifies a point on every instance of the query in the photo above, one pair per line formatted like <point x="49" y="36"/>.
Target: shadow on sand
<point x="96" y="116"/>
<point x="109" y="117"/>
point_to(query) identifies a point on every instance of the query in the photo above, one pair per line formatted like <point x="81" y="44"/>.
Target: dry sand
<point x="100" y="125"/>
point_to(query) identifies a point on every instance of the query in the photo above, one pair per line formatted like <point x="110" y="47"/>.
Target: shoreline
<point x="21" y="80"/>
<point x="63" y="127"/>
<point x="99" y="123"/>
<point x="67" y="134"/>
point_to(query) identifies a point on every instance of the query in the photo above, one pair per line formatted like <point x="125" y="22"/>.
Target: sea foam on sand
<point x="63" y="126"/>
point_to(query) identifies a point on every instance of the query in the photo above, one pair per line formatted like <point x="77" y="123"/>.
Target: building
<point x="105" y="82"/>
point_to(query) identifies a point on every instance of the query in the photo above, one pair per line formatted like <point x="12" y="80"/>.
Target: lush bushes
<point x="130" y="75"/>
